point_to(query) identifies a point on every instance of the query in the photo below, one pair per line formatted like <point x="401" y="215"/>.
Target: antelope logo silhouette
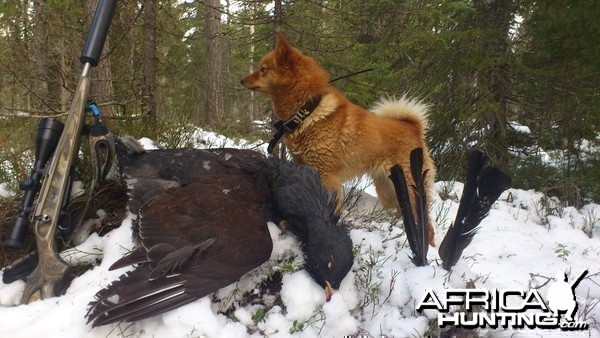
<point x="561" y="295"/>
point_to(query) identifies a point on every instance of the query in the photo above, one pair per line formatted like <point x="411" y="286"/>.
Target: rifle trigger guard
<point x="102" y="150"/>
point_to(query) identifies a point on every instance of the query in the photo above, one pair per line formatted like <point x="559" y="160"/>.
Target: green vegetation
<point x="479" y="64"/>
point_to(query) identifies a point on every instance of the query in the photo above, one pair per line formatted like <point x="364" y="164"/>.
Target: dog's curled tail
<point x="406" y="109"/>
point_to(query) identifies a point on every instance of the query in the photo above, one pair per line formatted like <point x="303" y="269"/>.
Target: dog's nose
<point x="242" y="81"/>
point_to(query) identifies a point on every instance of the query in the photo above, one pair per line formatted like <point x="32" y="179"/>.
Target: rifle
<point x="51" y="272"/>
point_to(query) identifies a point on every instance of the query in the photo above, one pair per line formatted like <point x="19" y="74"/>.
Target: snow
<point x="526" y="239"/>
<point x="519" y="128"/>
<point x="5" y="191"/>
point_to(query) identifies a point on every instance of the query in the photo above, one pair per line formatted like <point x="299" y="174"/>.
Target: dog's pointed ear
<point x="283" y="48"/>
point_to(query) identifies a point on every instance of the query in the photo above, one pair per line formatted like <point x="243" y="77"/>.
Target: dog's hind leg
<point x="385" y="191"/>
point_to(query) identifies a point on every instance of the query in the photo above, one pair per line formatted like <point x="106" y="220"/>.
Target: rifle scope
<point x="49" y="131"/>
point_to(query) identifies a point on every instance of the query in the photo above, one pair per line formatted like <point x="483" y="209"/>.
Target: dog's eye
<point x="263" y="69"/>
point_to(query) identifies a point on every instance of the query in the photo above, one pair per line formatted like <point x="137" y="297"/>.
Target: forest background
<point x="486" y="67"/>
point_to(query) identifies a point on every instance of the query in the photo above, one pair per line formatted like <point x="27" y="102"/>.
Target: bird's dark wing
<point x="197" y="238"/>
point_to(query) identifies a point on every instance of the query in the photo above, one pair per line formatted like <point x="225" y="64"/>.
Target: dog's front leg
<point x="333" y="182"/>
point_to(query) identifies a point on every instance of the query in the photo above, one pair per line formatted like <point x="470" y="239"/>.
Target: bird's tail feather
<point x="417" y="231"/>
<point x="483" y="186"/>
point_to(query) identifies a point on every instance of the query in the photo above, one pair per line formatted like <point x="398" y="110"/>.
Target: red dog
<point x="339" y="139"/>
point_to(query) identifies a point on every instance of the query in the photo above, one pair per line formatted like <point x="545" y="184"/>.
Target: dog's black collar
<point x="293" y="123"/>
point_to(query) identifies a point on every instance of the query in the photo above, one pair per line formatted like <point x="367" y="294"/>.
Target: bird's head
<point x="329" y="258"/>
<point x="310" y="212"/>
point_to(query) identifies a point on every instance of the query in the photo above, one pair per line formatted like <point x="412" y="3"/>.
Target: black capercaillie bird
<point x="203" y="224"/>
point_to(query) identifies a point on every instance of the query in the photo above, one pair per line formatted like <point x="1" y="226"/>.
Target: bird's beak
<point x="328" y="291"/>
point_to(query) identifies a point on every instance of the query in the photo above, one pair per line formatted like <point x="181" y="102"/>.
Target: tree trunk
<point x="494" y="19"/>
<point x="41" y="52"/>
<point x="101" y="75"/>
<point x="213" y="105"/>
<point x="254" y="108"/>
<point x="280" y="150"/>
<point x="149" y="88"/>
<point x="278" y="13"/>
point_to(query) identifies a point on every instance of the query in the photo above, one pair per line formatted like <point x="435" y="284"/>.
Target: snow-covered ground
<point x="526" y="239"/>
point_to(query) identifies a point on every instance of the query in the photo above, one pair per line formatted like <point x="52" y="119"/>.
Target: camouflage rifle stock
<point x="52" y="272"/>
